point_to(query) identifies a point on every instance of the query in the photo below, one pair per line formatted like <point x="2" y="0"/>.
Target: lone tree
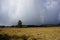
<point x="19" y="23"/>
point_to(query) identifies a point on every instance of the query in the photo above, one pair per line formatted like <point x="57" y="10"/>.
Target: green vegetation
<point x="19" y="24"/>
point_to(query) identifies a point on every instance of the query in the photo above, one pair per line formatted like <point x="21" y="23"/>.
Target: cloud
<point x="52" y="11"/>
<point x="29" y="11"/>
<point x="19" y="9"/>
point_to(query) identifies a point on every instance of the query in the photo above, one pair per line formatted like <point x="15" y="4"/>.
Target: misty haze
<point x="31" y="12"/>
<point x="29" y="19"/>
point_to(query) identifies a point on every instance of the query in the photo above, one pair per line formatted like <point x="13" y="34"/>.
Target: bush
<point x="4" y="37"/>
<point x="19" y="24"/>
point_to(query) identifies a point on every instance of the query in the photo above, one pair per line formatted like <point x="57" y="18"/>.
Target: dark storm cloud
<point x="29" y="11"/>
<point x="52" y="14"/>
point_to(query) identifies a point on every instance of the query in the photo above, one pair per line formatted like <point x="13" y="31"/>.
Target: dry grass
<point x="50" y="33"/>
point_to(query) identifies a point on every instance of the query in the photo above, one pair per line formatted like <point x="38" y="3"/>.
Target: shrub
<point x="19" y="24"/>
<point x="4" y="37"/>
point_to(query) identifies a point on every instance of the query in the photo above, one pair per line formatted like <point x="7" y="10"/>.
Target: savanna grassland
<point x="49" y="33"/>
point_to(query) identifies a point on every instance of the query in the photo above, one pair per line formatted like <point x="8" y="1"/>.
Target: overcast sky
<point x="33" y="12"/>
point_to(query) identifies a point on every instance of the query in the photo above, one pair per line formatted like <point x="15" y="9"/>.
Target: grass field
<point x="49" y="33"/>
